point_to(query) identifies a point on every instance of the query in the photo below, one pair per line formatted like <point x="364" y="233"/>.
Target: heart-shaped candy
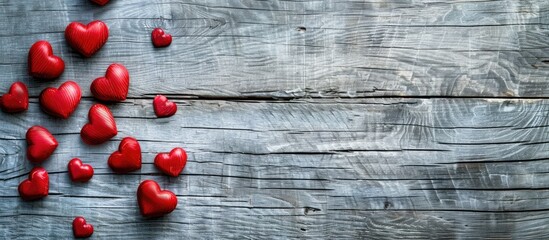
<point x="87" y="39"/>
<point x="160" y="38"/>
<point x="113" y="86"/>
<point x="101" y="126"/>
<point x="100" y="2"/>
<point x="154" y="202"/>
<point x="163" y="107"/>
<point x="80" y="228"/>
<point x="16" y="100"/>
<point x="40" y="144"/>
<point x="171" y="163"/>
<point x="36" y="186"/>
<point x="80" y="172"/>
<point x="42" y="63"/>
<point x="61" y="102"/>
<point x="128" y="156"/>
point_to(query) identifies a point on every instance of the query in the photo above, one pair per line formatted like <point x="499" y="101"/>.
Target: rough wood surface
<point x="394" y="119"/>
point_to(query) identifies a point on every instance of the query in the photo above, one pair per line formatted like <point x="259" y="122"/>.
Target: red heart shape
<point x="163" y="107"/>
<point x="16" y="100"/>
<point x="80" y="228"/>
<point x="61" y="102"/>
<point x="171" y="163"/>
<point x="114" y="86"/>
<point x="101" y="126"/>
<point x="36" y="186"/>
<point x="40" y="144"/>
<point x="100" y="2"/>
<point x="42" y="63"/>
<point x="154" y="202"/>
<point x="128" y="156"/>
<point x="160" y="38"/>
<point x="80" y="172"/>
<point x="87" y="39"/>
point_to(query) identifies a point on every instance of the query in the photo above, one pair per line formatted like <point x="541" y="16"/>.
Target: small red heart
<point x="61" y="102"/>
<point x="160" y="38"/>
<point x="171" y="163"/>
<point x="42" y="63"/>
<point x="100" y="2"/>
<point x="128" y="156"/>
<point x="154" y="202"/>
<point x="101" y="126"/>
<point x="87" y="39"/>
<point x="163" y="107"/>
<point x="16" y="100"/>
<point x="80" y="172"/>
<point x="114" y="86"/>
<point x="36" y="186"/>
<point x="40" y="144"/>
<point x="80" y="228"/>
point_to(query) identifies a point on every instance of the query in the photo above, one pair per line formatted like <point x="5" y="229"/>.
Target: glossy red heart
<point x="163" y="107"/>
<point x="128" y="156"/>
<point x="80" y="228"/>
<point x="16" y="100"/>
<point x="171" y="163"/>
<point x="87" y="39"/>
<point x="42" y="63"/>
<point x="61" y="102"/>
<point x="79" y="172"/>
<point x="160" y="38"/>
<point x="101" y="126"/>
<point x="100" y="2"/>
<point x="40" y="144"/>
<point x="114" y="86"/>
<point x="154" y="202"/>
<point x="36" y="186"/>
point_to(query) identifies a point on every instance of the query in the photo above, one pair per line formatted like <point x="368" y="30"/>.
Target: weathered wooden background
<point x="333" y="119"/>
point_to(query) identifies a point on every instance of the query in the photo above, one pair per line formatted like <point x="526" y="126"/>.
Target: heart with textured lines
<point x="40" y="144"/>
<point x="171" y="163"/>
<point x="61" y="102"/>
<point x="101" y="126"/>
<point x="16" y="99"/>
<point x="127" y="158"/>
<point x="87" y="39"/>
<point x="163" y="107"/>
<point x="42" y="63"/>
<point x="36" y="186"/>
<point x="113" y="87"/>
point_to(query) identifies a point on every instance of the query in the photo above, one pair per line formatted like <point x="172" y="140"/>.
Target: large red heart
<point x="40" y="144"/>
<point x="87" y="39"/>
<point x="128" y="156"/>
<point x="36" y="186"/>
<point x="114" y="86"/>
<point x="61" y="102"/>
<point x="160" y="38"/>
<point x="154" y="202"/>
<point x="80" y="172"/>
<point x="42" y="63"/>
<point x="171" y="163"/>
<point x="100" y="2"/>
<point x="163" y="107"/>
<point x="101" y="126"/>
<point x="16" y="100"/>
<point x="80" y="228"/>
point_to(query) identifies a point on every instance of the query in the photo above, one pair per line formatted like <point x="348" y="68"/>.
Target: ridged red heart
<point x="87" y="39"/>
<point x="100" y="2"/>
<point x="36" y="186"/>
<point x="16" y="99"/>
<point x="61" y="102"/>
<point x="78" y="171"/>
<point x="160" y="38"/>
<point x="154" y="202"/>
<point x="40" y="144"/>
<point x="42" y="63"/>
<point x="80" y="228"/>
<point x="101" y="126"/>
<point x="114" y="86"/>
<point x="171" y="163"/>
<point x="128" y="156"/>
<point x="163" y="107"/>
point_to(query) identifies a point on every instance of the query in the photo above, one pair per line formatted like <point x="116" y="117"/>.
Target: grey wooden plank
<point x="366" y="168"/>
<point x="294" y="49"/>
